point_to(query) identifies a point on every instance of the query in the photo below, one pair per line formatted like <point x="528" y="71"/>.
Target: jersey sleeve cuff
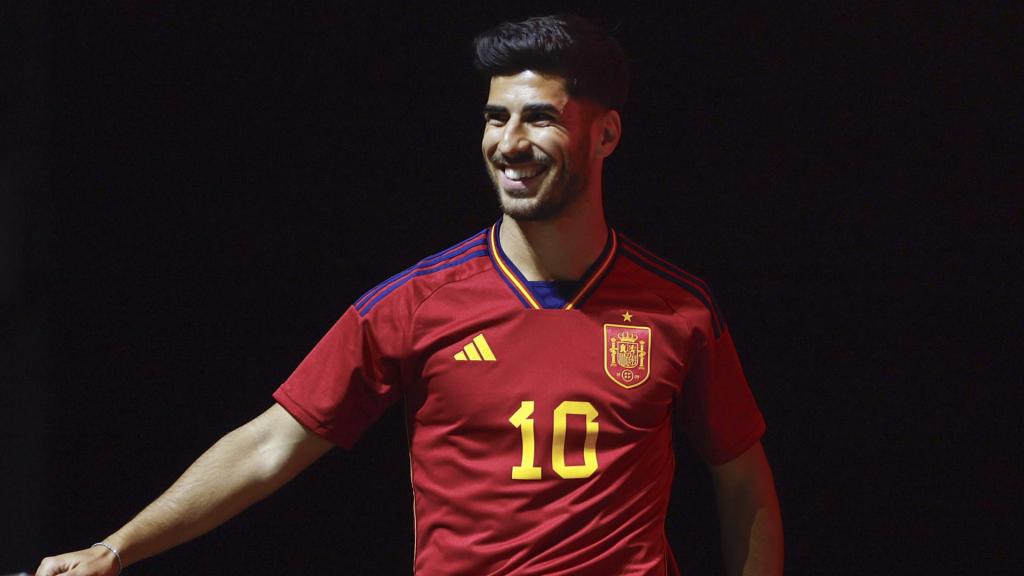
<point x="305" y="418"/>
<point x="723" y="454"/>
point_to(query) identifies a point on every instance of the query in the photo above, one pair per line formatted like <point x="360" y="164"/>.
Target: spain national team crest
<point x="627" y="354"/>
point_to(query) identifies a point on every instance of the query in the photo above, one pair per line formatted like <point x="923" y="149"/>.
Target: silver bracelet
<point x="120" y="565"/>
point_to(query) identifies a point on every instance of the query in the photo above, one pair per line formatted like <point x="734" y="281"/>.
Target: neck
<point x="558" y="249"/>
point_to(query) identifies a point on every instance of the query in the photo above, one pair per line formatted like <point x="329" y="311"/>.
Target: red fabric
<point x="472" y="517"/>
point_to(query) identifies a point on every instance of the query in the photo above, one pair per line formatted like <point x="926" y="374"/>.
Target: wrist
<point x="108" y="550"/>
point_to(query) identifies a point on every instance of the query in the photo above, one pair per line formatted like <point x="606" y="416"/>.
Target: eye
<point x="495" y="119"/>
<point x="542" y="120"/>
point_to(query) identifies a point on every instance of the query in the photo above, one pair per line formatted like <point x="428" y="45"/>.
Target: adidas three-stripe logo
<point x="476" y="351"/>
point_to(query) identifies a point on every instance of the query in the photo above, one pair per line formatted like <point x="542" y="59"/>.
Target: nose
<point x="513" y="139"/>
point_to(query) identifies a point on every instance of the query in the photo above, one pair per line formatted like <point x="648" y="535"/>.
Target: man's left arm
<point x="748" y="512"/>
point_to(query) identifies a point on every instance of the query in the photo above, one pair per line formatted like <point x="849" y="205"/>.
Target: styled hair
<point x="570" y="46"/>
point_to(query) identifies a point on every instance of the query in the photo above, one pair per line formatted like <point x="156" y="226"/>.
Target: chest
<point x="621" y="368"/>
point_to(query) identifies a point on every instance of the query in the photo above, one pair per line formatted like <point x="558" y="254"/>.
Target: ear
<point x="608" y="130"/>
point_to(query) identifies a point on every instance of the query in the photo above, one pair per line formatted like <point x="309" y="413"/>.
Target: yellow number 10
<point x="527" y="470"/>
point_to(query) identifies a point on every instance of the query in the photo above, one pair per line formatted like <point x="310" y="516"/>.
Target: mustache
<point x="531" y="157"/>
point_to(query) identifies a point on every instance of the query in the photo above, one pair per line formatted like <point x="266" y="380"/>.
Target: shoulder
<point x="680" y="289"/>
<point x="411" y="286"/>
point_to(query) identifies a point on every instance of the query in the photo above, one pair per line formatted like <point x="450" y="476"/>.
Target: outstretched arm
<point x="243" y="467"/>
<point x="748" y="511"/>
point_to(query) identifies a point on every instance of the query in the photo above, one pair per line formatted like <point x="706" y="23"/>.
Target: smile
<point x="523" y="173"/>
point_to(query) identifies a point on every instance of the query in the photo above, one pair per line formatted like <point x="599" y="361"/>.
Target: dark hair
<point x="570" y="46"/>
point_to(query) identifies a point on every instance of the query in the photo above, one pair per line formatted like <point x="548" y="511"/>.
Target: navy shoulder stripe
<point x="480" y="237"/>
<point x="473" y="247"/>
<point x="669" y="271"/>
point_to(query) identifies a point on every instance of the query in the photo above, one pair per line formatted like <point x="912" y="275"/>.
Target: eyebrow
<point x="494" y="110"/>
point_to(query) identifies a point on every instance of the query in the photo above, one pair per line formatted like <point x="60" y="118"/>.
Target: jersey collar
<point x="519" y="286"/>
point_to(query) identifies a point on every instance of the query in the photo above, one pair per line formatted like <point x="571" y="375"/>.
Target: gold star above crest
<point x="627" y="317"/>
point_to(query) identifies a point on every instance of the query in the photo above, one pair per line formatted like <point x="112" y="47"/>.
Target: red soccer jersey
<point x="540" y="439"/>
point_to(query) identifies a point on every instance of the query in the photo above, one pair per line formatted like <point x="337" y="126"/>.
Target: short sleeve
<point x="719" y="413"/>
<point x="347" y="381"/>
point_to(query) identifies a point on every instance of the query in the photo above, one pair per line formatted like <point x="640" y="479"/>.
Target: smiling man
<point x="537" y="144"/>
<point x="543" y="363"/>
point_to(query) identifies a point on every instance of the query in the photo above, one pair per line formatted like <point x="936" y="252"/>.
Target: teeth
<point x="522" y="173"/>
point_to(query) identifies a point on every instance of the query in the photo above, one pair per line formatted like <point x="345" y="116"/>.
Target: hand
<point x="95" y="561"/>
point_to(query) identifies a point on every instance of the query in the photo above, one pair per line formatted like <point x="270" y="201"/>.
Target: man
<point x="543" y="363"/>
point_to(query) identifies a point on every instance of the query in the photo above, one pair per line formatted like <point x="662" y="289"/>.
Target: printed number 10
<point x="528" y="470"/>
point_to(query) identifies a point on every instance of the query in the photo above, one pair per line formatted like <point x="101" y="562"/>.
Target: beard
<point x="561" y="188"/>
<point x="550" y="201"/>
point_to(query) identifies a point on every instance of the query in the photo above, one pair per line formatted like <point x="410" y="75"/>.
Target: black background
<point x="193" y="194"/>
